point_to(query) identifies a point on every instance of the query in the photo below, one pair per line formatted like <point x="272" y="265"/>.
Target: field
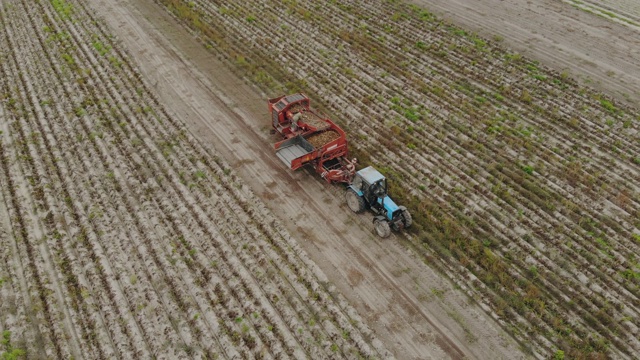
<point x="133" y="229"/>
<point x="596" y="43"/>
<point x="123" y="237"/>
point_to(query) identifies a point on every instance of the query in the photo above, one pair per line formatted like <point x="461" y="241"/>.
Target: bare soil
<point x="412" y="309"/>
<point x="597" y="50"/>
<point x="415" y="311"/>
<point x="121" y="236"/>
<point x="84" y="201"/>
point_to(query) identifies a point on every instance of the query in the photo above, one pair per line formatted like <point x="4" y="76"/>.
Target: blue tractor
<point x="368" y="190"/>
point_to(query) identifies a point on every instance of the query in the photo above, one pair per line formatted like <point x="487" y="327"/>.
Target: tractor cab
<point x="369" y="190"/>
<point x="371" y="184"/>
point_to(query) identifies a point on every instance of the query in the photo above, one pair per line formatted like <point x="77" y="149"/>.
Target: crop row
<point x="525" y="179"/>
<point x="131" y="239"/>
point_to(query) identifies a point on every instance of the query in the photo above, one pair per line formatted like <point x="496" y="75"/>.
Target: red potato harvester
<point x="316" y="140"/>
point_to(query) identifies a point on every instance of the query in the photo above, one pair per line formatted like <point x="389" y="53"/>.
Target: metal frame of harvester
<point x="297" y="123"/>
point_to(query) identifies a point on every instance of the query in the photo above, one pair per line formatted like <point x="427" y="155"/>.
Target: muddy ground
<point x="414" y="310"/>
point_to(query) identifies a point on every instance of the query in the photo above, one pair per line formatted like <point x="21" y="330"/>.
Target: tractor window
<point x="380" y="188"/>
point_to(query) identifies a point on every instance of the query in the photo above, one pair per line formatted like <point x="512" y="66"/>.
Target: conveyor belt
<point x="290" y="153"/>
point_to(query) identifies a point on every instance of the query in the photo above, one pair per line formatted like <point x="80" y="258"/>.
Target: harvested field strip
<point x="526" y="179"/>
<point x="138" y="241"/>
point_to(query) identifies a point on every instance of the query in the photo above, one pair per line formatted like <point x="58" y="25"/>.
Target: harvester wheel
<point x="355" y="202"/>
<point x="382" y="228"/>
<point x="406" y="218"/>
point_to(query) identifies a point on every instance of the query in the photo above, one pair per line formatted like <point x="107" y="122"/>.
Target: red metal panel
<point x="336" y="149"/>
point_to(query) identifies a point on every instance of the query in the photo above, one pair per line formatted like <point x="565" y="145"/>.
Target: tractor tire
<point x="382" y="228"/>
<point x="355" y="202"/>
<point x="406" y="218"/>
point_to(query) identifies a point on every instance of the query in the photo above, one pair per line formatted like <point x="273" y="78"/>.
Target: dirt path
<point x="596" y="50"/>
<point x="413" y="310"/>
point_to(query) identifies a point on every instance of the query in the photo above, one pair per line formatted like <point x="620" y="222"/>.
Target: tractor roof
<point x="370" y="175"/>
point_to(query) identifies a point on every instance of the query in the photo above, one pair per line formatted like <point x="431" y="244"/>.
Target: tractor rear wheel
<point x="354" y="201"/>
<point x="382" y="228"/>
<point x="406" y="218"/>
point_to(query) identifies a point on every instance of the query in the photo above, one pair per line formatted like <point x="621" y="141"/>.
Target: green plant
<point x="532" y="67"/>
<point x="63" y="8"/>
<point x="199" y="174"/>
<point x="608" y="105"/>
<point x="603" y="243"/>
<point x="411" y="114"/>
<point x="100" y="48"/>
<point x="512" y="57"/>
<point x="479" y="43"/>
<point x="457" y="31"/>
<point x="526" y="96"/>
<point x="68" y="59"/>
<point x="539" y="77"/>
<point x="10" y="353"/>
<point x="630" y="274"/>
<point x="114" y="61"/>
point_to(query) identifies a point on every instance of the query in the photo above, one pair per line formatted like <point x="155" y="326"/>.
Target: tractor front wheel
<point x="382" y="228"/>
<point x="355" y="202"/>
